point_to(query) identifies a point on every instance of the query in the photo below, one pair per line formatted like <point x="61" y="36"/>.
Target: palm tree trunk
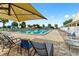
<point x="3" y="25"/>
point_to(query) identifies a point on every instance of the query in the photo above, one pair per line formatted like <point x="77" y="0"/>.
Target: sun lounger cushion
<point x="49" y="48"/>
<point x="41" y="48"/>
<point x="25" y="44"/>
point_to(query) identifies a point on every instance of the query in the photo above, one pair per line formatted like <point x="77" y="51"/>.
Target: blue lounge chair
<point x="25" y="44"/>
<point x="43" y="49"/>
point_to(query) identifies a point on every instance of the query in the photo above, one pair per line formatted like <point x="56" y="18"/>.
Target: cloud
<point x="66" y="16"/>
<point x="73" y="15"/>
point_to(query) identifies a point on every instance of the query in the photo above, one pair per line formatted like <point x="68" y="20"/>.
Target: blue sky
<point x="56" y="13"/>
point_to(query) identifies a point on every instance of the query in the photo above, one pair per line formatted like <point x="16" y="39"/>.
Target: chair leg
<point x="20" y="50"/>
<point x="9" y="51"/>
<point x="34" y="53"/>
<point x="28" y="52"/>
<point x="31" y="52"/>
<point x="3" y="46"/>
<point x="25" y="51"/>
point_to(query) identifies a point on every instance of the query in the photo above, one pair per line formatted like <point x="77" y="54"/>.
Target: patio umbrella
<point x="19" y="12"/>
<point x="75" y="21"/>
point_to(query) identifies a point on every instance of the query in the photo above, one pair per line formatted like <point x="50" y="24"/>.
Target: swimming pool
<point x="31" y="31"/>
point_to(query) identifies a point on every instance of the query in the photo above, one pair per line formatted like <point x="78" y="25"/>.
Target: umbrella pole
<point x="76" y="28"/>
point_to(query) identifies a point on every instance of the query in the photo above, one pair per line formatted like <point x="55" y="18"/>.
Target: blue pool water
<point x="35" y="31"/>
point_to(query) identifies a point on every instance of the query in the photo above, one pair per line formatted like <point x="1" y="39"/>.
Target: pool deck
<point x="54" y="36"/>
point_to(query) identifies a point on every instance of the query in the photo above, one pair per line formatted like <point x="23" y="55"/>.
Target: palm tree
<point x="49" y="25"/>
<point x="23" y="25"/>
<point x="4" y="21"/>
<point x="38" y="26"/>
<point x="14" y="24"/>
<point x="56" y="26"/>
<point x="67" y="21"/>
<point x="29" y="26"/>
<point x="43" y="26"/>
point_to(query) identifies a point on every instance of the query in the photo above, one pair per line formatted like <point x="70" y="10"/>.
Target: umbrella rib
<point x="9" y="8"/>
<point x="14" y="13"/>
<point x="29" y="11"/>
<point x="22" y="14"/>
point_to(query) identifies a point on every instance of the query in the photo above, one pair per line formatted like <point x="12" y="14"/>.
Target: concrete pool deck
<point x="54" y="36"/>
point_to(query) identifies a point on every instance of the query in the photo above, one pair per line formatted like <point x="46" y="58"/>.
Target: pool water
<point x="35" y="31"/>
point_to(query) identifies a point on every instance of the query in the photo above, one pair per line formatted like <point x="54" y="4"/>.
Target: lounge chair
<point x="73" y="43"/>
<point x="71" y="35"/>
<point x="22" y="44"/>
<point x="25" y="44"/>
<point x="8" y="42"/>
<point x="43" y="49"/>
<point x="4" y="41"/>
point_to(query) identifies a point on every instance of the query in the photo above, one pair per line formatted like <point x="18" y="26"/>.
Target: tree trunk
<point x="3" y="25"/>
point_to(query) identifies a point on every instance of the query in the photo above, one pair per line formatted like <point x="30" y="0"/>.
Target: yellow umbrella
<point x="19" y="12"/>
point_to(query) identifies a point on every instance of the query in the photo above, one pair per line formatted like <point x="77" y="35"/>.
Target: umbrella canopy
<point x="76" y="19"/>
<point x="19" y="12"/>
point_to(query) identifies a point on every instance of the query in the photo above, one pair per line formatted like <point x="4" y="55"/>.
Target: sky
<point x="56" y="13"/>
